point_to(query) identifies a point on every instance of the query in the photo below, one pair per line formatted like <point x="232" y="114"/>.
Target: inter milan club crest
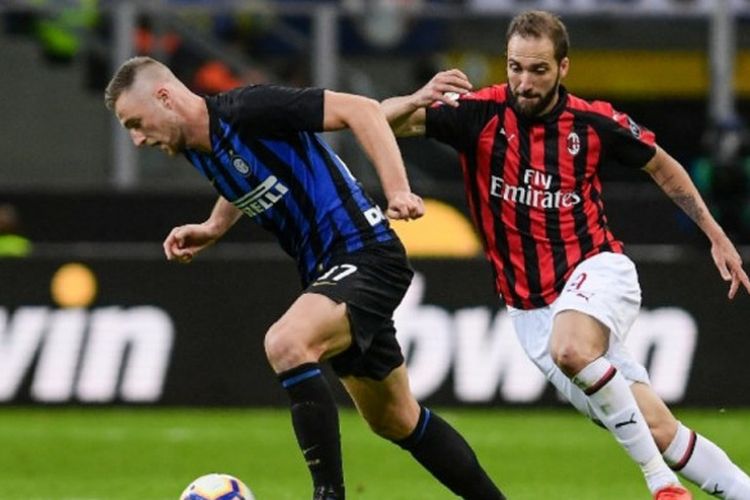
<point x="574" y="143"/>
<point x="240" y="165"/>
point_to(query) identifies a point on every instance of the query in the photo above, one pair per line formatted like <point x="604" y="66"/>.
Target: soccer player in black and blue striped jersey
<point x="258" y="146"/>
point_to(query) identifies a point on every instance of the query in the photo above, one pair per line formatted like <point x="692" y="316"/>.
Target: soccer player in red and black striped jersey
<point x="530" y="154"/>
<point x="259" y="147"/>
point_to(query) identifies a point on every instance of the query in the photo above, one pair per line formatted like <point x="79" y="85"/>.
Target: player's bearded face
<point x="534" y="74"/>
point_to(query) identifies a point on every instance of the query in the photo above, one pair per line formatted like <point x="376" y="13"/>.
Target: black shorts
<point x="371" y="282"/>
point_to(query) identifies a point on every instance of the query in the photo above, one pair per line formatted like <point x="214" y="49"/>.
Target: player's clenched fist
<point x="184" y="242"/>
<point x="445" y="86"/>
<point x="405" y="205"/>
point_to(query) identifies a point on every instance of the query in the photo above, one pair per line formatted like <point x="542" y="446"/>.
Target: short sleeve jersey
<point x="533" y="186"/>
<point x="268" y="160"/>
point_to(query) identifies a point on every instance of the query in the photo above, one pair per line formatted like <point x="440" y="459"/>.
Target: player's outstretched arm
<point x="367" y="121"/>
<point x="184" y="242"/>
<point x="406" y="114"/>
<point x="675" y="181"/>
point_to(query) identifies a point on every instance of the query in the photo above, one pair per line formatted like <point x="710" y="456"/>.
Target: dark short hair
<point x="540" y="24"/>
<point x="124" y="78"/>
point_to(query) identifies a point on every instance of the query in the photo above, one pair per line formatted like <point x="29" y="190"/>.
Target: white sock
<point x="610" y="395"/>
<point x="705" y="464"/>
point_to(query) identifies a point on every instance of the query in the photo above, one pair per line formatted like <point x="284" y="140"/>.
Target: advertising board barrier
<point x="157" y="333"/>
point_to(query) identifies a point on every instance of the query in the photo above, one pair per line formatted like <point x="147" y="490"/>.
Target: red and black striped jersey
<point x="533" y="186"/>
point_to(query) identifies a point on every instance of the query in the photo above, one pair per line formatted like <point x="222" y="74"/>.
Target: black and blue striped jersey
<point x="268" y="160"/>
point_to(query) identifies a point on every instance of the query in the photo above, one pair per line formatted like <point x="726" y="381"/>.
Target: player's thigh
<point x="578" y="328"/>
<point x="387" y="405"/>
<point x="314" y="327"/>
<point x="600" y="299"/>
<point x="661" y="422"/>
<point x="602" y="295"/>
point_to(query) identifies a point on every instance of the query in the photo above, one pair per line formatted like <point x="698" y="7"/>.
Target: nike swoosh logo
<point x="308" y="450"/>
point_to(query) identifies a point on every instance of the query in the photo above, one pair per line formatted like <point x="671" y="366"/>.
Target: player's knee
<point x="283" y="350"/>
<point x="570" y="358"/>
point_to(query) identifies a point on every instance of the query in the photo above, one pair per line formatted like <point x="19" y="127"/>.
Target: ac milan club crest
<point x="574" y="143"/>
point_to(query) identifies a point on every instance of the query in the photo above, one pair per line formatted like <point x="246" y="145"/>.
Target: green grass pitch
<point x="109" y="454"/>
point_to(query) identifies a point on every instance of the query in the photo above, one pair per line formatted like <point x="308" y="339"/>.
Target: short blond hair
<point x="125" y="76"/>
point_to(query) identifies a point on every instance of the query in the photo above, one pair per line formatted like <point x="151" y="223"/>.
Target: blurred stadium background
<point x="102" y="340"/>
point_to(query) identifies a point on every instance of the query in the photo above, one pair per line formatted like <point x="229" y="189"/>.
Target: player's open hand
<point x="445" y="87"/>
<point x="729" y="263"/>
<point x="184" y="242"/>
<point x="405" y="205"/>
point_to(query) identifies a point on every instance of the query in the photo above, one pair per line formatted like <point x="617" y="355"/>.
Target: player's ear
<point x="564" y="66"/>
<point x="164" y="97"/>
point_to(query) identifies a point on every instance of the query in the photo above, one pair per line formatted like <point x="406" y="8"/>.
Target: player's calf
<point x="708" y="466"/>
<point x="610" y="394"/>
<point x="442" y="451"/>
<point x="316" y="425"/>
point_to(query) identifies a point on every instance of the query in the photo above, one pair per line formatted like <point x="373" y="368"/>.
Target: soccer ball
<point x="217" y="487"/>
